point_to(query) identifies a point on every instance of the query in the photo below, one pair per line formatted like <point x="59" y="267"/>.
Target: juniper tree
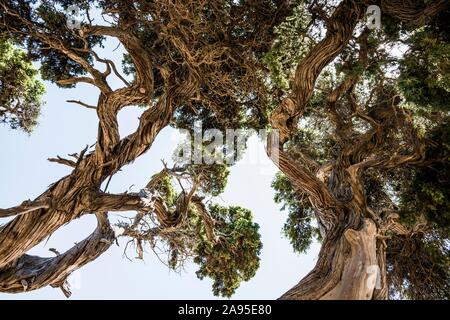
<point x="183" y="59"/>
<point x="20" y="91"/>
<point x="355" y="124"/>
<point x="364" y="148"/>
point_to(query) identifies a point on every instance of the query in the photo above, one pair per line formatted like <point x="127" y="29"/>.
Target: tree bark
<point x="352" y="261"/>
<point x="350" y="253"/>
<point x="348" y="267"/>
<point x="68" y="199"/>
<point x="32" y="272"/>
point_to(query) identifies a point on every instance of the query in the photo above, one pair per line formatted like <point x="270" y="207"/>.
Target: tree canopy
<point x="20" y="91"/>
<point x="184" y="61"/>
<point x="385" y="96"/>
<point x="360" y="114"/>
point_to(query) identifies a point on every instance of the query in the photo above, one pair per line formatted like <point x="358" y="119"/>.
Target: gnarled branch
<point x="25" y="207"/>
<point x="32" y="272"/>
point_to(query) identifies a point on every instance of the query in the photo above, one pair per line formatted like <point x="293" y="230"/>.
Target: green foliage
<point x="234" y="258"/>
<point x="418" y="267"/>
<point x="425" y="71"/>
<point x="427" y="189"/>
<point x="243" y="115"/>
<point x="288" y="48"/>
<point x="20" y="90"/>
<point x="214" y="178"/>
<point x="233" y="255"/>
<point x="167" y="190"/>
<point x="50" y="16"/>
<point x="298" y="227"/>
<point x="221" y="55"/>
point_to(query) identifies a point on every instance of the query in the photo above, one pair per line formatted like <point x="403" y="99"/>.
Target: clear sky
<point x="67" y="128"/>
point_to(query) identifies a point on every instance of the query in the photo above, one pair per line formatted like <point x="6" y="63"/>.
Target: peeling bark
<point x="352" y="260"/>
<point x="348" y="268"/>
<point x="350" y="246"/>
<point x="31" y="272"/>
<point x="74" y="195"/>
<point x="359" y="276"/>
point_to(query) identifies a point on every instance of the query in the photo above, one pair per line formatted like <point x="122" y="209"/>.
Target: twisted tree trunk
<point x="351" y="254"/>
<point x="351" y="263"/>
<point x="73" y="196"/>
<point x="348" y="268"/>
<point x="32" y="272"/>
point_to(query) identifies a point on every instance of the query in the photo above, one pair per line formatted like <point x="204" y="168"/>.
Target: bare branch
<point x="66" y="162"/>
<point x="55" y="43"/>
<point x="70" y="81"/>
<point x="25" y="207"/>
<point x="114" y="68"/>
<point x="32" y="272"/>
<point x="82" y="104"/>
<point x="139" y="55"/>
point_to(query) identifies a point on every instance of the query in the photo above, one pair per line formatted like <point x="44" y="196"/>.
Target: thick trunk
<point x="32" y="272"/>
<point x="68" y="199"/>
<point x="349" y="268"/>
<point x="352" y="261"/>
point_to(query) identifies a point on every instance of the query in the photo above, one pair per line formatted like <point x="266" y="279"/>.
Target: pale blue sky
<point x="67" y="128"/>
